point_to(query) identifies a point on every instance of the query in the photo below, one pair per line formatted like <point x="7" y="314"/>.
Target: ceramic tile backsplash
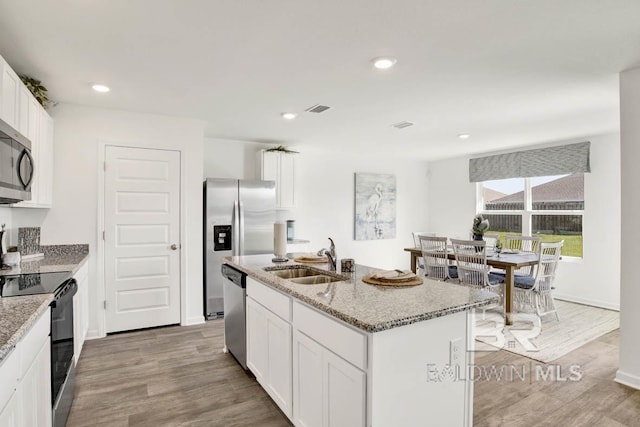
<point x="29" y="240"/>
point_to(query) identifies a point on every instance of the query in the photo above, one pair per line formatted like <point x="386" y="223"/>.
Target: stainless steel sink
<point x="292" y="273"/>
<point x="316" y="280"/>
<point x="304" y="275"/>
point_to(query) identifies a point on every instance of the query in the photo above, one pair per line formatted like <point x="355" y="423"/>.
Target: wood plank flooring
<point x="178" y="376"/>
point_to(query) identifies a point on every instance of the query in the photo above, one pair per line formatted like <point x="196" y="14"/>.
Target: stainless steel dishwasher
<point x="234" y="287"/>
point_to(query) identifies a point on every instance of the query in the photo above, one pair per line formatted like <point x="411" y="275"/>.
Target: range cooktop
<point x="32" y="284"/>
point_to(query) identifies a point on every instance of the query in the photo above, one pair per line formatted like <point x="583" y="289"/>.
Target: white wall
<point x="592" y="280"/>
<point x="629" y="370"/>
<point x="324" y="191"/>
<point x="79" y="132"/>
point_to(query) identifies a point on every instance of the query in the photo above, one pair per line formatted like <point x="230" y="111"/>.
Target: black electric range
<point x="63" y="287"/>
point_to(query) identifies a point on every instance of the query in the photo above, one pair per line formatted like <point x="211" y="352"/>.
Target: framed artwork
<point x="375" y="206"/>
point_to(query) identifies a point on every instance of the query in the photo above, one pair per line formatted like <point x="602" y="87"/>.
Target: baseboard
<point x="193" y="321"/>
<point x="93" y="334"/>
<point x="628" y="379"/>
<point x="583" y="301"/>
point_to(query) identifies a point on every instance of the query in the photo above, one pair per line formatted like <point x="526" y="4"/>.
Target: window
<point x="551" y="207"/>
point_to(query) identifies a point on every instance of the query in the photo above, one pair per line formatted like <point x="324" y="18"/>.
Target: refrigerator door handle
<point x="235" y="226"/>
<point x="241" y="227"/>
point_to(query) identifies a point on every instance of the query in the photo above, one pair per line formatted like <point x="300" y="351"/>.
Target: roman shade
<point x="560" y="160"/>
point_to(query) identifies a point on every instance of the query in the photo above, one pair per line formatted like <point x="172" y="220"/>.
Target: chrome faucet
<point x="331" y="254"/>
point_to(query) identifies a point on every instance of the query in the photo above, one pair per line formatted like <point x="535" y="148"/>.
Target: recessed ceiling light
<point x="100" y="88"/>
<point x="384" y="62"/>
<point x="464" y="135"/>
<point x="289" y="116"/>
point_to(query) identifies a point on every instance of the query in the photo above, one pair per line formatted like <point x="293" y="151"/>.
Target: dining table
<point x="509" y="262"/>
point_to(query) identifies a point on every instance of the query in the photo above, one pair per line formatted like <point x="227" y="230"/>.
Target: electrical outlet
<point x="456" y="354"/>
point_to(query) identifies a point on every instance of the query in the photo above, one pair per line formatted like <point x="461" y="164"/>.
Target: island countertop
<point x="368" y="307"/>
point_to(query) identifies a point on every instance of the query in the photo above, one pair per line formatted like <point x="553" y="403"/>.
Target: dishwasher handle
<point x="236" y="277"/>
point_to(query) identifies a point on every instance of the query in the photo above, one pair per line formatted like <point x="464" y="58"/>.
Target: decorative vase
<point x="478" y="237"/>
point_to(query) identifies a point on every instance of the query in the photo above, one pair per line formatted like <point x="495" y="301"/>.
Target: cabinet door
<point x="34" y="391"/>
<point x="78" y="340"/>
<point x="9" y="415"/>
<point x="45" y="160"/>
<point x="279" y="362"/>
<point x="307" y="381"/>
<point x="286" y="181"/>
<point x="10" y="95"/>
<point x="257" y="350"/>
<point x="23" y="110"/>
<point x="270" y="165"/>
<point x="345" y="393"/>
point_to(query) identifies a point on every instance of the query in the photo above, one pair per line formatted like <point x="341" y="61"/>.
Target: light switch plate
<point x="456" y="353"/>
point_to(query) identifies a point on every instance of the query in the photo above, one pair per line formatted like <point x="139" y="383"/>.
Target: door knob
<point x="174" y="247"/>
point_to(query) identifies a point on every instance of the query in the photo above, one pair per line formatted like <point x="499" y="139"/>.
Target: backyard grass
<point x="572" y="244"/>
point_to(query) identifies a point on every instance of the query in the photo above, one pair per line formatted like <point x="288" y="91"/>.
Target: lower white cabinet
<point x="80" y="311"/>
<point x="35" y="390"/>
<point x="25" y="389"/>
<point x="327" y="391"/>
<point x="9" y="415"/>
<point x="269" y="353"/>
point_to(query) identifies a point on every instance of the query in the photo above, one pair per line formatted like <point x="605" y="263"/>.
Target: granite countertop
<point x="17" y="315"/>
<point x="56" y="258"/>
<point x="369" y="307"/>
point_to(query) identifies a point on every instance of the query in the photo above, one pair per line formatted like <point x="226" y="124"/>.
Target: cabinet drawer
<point x="9" y="375"/>
<point x="32" y="341"/>
<point x="340" y="339"/>
<point x="273" y="300"/>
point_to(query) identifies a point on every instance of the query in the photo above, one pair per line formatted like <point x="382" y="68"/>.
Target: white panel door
<point x="142" y="238"/>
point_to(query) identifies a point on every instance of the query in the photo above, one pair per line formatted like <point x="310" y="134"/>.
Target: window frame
<point x="527" y="213"/>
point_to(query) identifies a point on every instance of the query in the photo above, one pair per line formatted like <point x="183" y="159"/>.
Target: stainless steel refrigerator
<point x="238" y="220"/>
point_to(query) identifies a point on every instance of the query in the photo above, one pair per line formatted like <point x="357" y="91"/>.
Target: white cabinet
<point x="35" y="391"/>
<point x="279" y="167"/>
<point x="327" y="390"/>
<point x="25" y="379"/>
<point x="9" y="95"/>
<point x="269" y="353"/>
<point x="310" y="365"/>
<point x="80" y="310"/>
<point x="9" y="415"/>
<point x="20" y="109"/>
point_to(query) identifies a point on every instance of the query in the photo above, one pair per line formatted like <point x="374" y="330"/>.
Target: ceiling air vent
<point x="317" y="108"/>
<point x="402" y="125"/>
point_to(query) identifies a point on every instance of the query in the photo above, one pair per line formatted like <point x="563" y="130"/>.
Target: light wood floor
<point x="178" y="376"/>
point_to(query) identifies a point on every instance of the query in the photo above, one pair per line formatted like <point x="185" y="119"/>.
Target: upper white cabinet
<point x="20" y="109"/>
<point x="9" y="95"/>
<point x="279" y="166"/>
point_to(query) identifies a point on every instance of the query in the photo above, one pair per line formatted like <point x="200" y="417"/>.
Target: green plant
<point x="480" y="225"/>
<point x="282" y="148"/>
<point x="37" y="89"/>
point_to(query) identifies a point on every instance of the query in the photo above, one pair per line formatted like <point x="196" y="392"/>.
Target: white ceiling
<point x="509" y="72"/>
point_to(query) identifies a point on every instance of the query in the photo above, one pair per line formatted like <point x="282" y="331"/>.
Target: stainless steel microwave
<point x="16" y="165"/>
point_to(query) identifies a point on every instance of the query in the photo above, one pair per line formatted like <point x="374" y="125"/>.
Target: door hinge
<point x="104" y="303"/>
<point x="103" y="236"/>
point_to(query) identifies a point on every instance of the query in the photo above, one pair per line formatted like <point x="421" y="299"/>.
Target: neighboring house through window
<point x="551" y="207"/>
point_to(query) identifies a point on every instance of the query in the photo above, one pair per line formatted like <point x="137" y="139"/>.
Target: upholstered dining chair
<point x="416" y="243"/>
<point x="538" y="295"/>
<point x="436" y="262"/>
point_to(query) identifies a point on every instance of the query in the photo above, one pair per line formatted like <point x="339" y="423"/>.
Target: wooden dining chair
<point x="436" y="261"/>
<point x="524" y="245"/>
<point x="472" y="267"/>
<point x="539" y="295"/>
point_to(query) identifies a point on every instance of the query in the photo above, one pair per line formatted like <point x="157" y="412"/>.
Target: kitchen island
<point x="353" y="354"/>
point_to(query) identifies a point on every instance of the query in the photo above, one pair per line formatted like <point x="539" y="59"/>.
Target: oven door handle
<point x="69" y="289"/>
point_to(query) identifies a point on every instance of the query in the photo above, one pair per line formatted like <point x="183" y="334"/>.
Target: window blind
<point x="560" y="160"/>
